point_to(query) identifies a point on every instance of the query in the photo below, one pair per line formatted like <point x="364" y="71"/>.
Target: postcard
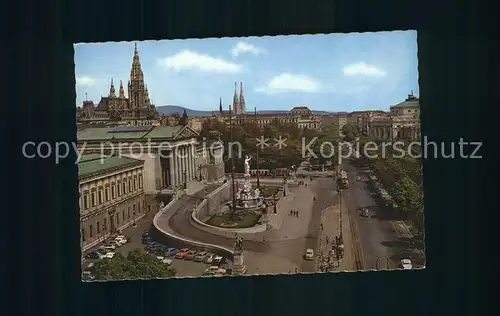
<point x="249" y="156"/>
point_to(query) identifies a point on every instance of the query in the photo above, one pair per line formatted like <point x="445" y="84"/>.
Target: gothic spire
<point x="220" y="105"/>
<point x="122" y="92"/>
<point x="235" y="100"/>
<point x="242" y="99"/>
<point x="112" y="90"/>
<point x="136" y="71"/>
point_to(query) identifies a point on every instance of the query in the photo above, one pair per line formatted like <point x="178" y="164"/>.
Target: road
<point x="323" y="189"/>
<point x="376" y="233"/>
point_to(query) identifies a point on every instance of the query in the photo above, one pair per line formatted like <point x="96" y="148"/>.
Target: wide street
<point x="378" y="234"/>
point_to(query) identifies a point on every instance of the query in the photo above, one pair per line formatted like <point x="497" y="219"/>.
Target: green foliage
<point x="406" y="194"/>
<point x="136" y="265"/>
<point x="350" y="131"/>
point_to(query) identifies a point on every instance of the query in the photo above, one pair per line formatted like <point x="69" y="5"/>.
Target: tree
<point x="350" y="131"/>
<point x="184" y="119"/>
<point x="406" y="194"/>
<point x="136" y="265"/>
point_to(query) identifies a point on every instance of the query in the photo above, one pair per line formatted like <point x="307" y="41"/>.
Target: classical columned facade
<point x="168" y="152"/>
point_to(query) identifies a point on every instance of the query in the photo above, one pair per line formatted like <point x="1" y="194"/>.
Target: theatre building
<point x="111" y="196"/>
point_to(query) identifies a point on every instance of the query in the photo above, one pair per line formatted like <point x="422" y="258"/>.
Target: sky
<point x="330" y="72"/>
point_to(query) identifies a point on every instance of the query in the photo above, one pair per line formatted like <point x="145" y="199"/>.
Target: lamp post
<point x="133" y="215"/>
<point x="257" y="152"/>
<point x="231" y="153"/>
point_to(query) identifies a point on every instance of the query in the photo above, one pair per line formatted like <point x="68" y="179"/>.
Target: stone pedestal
<point x="239" y="266"/>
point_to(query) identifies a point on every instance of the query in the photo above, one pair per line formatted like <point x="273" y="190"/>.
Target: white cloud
<point x="242" y="47"/>
<point x="187" y="59"/>
<point x="85" y="81"/>
<point x="289" y="82"/>
<point x="362" y="69"/>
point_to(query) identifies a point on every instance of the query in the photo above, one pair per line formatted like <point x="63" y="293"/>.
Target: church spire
<point x="136" y="71"/>
<point x="220" y="105"/>
<point x="122" y="92"/>
<point x="235" y="100"/>
<point x="242" y="99"/>
<point x="112" y="90"/>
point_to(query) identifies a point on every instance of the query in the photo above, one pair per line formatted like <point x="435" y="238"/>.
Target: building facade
<point x="111" y="196"/>
<point x="134" y="108"/>
<point x="401" y="123"/>
<point x="168" y="152"/>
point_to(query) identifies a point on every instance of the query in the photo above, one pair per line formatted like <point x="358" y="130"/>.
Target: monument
<point x="248" y="199"/>
<point x="239" y="266"/>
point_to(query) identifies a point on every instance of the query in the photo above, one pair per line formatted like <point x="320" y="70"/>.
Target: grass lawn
<point x="269" y="191"/>
<point x="247" y="220"/>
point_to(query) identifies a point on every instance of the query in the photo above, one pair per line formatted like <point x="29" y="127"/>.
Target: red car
<point x="182" y="253"/>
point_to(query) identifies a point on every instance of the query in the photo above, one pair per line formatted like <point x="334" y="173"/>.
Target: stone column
<point x="188" y="163"/>
<point x="172" y="167"/>
<point x="183" y="163"/>
<point x="177" y="166"/>
<point x="191" y="159"/>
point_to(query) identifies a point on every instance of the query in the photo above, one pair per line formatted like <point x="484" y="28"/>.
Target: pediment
<point x="186" y="132"/>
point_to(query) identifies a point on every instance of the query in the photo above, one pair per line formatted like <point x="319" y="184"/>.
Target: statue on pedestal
<point x="247" y="165"/>
<point x="238" y="244"/>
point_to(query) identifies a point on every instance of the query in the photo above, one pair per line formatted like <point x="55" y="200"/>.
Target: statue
<point x="238" y="244"/>
<point x="162" y="205"/>
<point x="238" y="196"/>
<point x="257" y="193"/>
<point x="247" y="164"/>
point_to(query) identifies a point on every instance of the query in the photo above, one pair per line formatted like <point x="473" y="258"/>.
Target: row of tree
<point x="402" y="177"/>
<point x="135" y="265"/>
<point x="272" y="155"/>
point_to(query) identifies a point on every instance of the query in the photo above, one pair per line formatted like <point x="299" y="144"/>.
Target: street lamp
<point x="133" y="215"/>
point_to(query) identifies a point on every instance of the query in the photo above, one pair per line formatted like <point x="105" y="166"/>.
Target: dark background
<point x="41" y="224"/>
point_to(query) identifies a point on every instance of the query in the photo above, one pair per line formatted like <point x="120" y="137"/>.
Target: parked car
<point x="115" y="243"/>
<point x="211" y="270"/>
<point x="406" y="264"/>
<point x="145" y="234"/>
<point x="121" y="239"/>
<point x="167" y="261"/>
<point x="182" y="253"/>
<point x="200" y="256"/>
<point x="94" y="255"/>
<point x="190" y="255"/>
<point x="107" y="248"/>
<point x="218" y="260"/>
<point x="109" y="255"/>
<point x="209" y="258"/>
<point x="146" y="240"/>
<point x="169" y="252"/>
<point x="87" y="276"/>
<point x="309" y="255"/>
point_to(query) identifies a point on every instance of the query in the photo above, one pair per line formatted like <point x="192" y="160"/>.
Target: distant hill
<point x="171" y="109"/>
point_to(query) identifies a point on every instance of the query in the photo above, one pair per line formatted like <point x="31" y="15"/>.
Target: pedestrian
<point x="296" y="270"/>
<point x="327" y="239"/>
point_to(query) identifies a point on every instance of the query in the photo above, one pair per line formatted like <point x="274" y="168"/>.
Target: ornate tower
<point x="136" y="90"/>
<point x="242" y="100"/>
<point x="121" y="92"/>
<point x="220" y="106"/>
<point x="235" y="101"/>
<point x="113" y="102"/>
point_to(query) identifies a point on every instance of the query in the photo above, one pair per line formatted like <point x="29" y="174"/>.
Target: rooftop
<point x="410" y="102"/>
<point x="95" y="164"/>
<point x="128" y="132"/>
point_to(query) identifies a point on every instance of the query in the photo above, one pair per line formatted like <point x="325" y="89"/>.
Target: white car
<point x="122" y="240"/>
<point x="218" y="260"/>
<point x="210" y="258"/>
<point x="115" y="243"/>
<point x="109" y="255"/>
<point x="107" y="248"/>
<point x="167" y="261"/>
<point x="160" y="258"/>
<point x="406" y="264"/>
<point x="309" y="255"/>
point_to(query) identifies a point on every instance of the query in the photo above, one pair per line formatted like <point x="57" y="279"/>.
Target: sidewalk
<point x="331" y="228"/>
